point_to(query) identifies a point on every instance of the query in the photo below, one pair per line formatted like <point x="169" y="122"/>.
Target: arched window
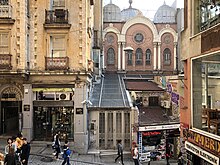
<point x="148" y="57"/>
<point x="111" y="56"/>
<point x="167" y="56"/>
<point x="139" y="56"/>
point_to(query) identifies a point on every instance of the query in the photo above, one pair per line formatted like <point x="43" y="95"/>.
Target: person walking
<point x="57" y="145"/>
<point x="120" y="152"/>
<point x="8" y="146"/>
<point x="168" y="153"/>
<point x="66" y="153"/>
<point x="134" y="152"/>
<point x="10" y="157"/>
<point x="25" y="152"/>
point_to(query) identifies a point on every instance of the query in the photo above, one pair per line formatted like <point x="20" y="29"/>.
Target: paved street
<point x="41" y="154"/>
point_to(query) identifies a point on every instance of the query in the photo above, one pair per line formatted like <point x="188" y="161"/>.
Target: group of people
<point x="135" y="154"/>
<point x="17" y="150"/>
<point x="57" y="147"/>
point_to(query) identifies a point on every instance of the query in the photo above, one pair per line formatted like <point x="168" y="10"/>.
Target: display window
<point x="206" y="93"/>
<point x="51" y="120"/>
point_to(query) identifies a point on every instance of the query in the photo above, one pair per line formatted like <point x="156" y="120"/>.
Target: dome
<point x="129" y="13"/>
<point x="165" y="14"/>
<point x="112" y="13"/>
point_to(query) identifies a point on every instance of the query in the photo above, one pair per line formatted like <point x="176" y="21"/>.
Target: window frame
<point x="52" y="48"/>
<point x="148" y="57"/>
<point x="4" y="47"/>
<point x="167" y="56"/>
<point x="111" y="56"/>
<point x="139" y="56"/>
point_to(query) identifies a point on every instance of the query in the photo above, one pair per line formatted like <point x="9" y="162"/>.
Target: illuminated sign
<point x="159" y="127"/>
<point x="202" y="153"/>
<point x="151" y="133"/>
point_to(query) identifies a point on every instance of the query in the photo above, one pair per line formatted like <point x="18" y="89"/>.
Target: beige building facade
<point x="46" y="52"/>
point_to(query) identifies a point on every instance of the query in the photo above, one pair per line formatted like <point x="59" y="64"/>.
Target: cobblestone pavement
<point x="41" y="154"/>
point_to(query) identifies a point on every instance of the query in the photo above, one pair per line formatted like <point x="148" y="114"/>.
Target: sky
<point x="148" y="7"/>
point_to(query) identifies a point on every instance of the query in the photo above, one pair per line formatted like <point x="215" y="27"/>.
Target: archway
<point x="10" y="110"/>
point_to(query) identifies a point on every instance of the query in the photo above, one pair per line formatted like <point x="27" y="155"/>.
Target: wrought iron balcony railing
<point x="5" y="11"/>
<point x="57" y="63"/>
<point x="5" y="61"/>
<point x="57" y="16"/>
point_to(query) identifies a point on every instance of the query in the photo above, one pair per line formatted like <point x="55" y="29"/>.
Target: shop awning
<point x="142" y="85"/>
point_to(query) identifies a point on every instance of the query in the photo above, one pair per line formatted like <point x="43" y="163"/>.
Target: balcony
<point x="5" y="61"/>
<point x="6" y="14"/>
<point x="56" y="63"/>
<point x="56" y="18"/>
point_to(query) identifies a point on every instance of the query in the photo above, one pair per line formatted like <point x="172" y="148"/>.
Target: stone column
<point x="123" y="56"/>
<point x="106" y="130"/>
<point x="119" y="56"/>
<point x="123" y="127"/>
<point x="159" y="56"/>
<point x="114" y="129"/>
<point x="155" y="56"/>
<point x="174" y="56"/>
<point x="80" y="118"/>
<point x="27" y="111"/>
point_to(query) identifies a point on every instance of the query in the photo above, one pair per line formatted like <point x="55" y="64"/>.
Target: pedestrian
<point x="66" y="153"/>
<point x="8" y="146"/>
<point x="19" y="142"/>
<point x="57" y="145"/>
<point x="2" y="158"/>
<point x="25" y="152"/>
<point x="134" y="153"/>
<point x="168" y="153"/>
<point x="10" y="157"/>
<point x="180" y="158"/>
<point x="120" y="152"/>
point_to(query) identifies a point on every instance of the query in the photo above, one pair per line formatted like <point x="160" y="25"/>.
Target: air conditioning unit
<point x="64" y="96"/>
<point x="166" y="104"/>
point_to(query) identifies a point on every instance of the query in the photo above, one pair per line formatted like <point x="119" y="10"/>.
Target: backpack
<point x="66" y="153"/>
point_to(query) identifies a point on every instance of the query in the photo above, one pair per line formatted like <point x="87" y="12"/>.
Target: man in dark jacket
<point x="25" y="152"/>
<point x="120" y="152"/>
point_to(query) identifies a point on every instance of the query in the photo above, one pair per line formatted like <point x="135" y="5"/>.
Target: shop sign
<point x="205" y="142"/>
<point x="151" y="133"/>
<point x="79" y="111"/>
<point x="202" y="153"/>
<point x="159" y="127"/>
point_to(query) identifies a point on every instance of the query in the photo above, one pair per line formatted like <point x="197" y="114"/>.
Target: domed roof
<point x="111" y="13"/>
<point x="130" y="12"/>
<point x="165" y="14"/>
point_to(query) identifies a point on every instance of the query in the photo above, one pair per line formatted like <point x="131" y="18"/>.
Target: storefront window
<point x="206" y="93"/>
<point x="51" y="120"/>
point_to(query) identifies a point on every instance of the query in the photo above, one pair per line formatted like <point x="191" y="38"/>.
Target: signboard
<point x="159" y="127"/>
<point x="202" y="153"/>
<point x="26" y="107"/>
<point x="79" y="111"/>
<point x="204" y="141"/>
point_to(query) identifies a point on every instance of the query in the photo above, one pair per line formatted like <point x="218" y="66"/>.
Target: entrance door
<point x="153" y="101"/>
<point x="42" y="123"/>
<point x="10" y="117"/>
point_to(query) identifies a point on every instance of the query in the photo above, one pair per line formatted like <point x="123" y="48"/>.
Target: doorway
<point x="10" y="111"/>
<point x="153" y="101"/>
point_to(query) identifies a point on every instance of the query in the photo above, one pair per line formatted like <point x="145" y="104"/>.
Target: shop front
<point x="53" y="112"/>
<point x="154" y="139"/>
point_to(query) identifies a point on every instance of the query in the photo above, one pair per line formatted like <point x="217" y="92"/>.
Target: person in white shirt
<point x="135" y="155"/>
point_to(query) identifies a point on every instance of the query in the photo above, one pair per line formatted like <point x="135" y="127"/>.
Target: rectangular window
<point x="129" y="58"/>
<point x="58" y="3"/>
<point x="4" y="43"/>
<point x="206" y="93"/>
<point x="57" y="46"/>
<point x="148" y="59"/>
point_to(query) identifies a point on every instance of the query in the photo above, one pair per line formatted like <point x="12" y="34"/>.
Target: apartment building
<point x="46" y="66"/>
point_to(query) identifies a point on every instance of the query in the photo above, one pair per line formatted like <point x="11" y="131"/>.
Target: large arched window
<point x="167" y="56"/>
<point x="139" y="56"/>
<point x="111" y="56"/>
<point x="148" y="57"/>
